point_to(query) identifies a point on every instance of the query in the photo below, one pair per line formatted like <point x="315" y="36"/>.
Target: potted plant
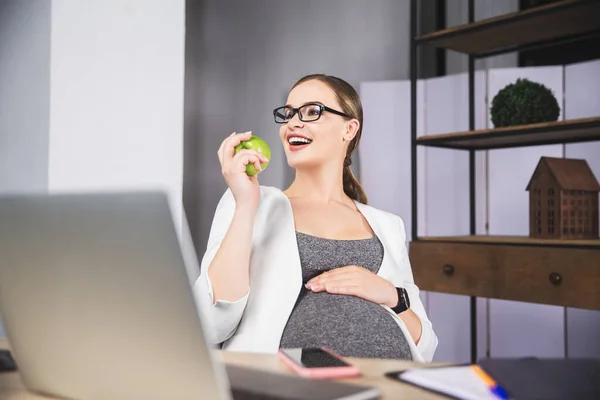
<point x="524" y="102"/>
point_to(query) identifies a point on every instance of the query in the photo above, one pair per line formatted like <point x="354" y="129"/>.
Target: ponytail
<point x="352" y="187"/>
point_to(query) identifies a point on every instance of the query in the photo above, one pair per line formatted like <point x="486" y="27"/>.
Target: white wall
<point x="24" y="95"/>
<point x="91" y="95"/>
<point x="385" y="164"/>
<point x="117" y="74"/>
<point x="247" y="55"/>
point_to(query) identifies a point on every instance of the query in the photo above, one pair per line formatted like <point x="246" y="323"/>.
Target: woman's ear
<point x="351" y="129"/>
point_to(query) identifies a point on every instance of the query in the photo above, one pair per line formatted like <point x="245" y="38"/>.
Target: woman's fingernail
<point x="232" y="134"/>
<point x="307" y="286"/>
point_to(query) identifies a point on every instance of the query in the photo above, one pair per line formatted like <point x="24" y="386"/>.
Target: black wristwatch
<point x="403" y="301"/>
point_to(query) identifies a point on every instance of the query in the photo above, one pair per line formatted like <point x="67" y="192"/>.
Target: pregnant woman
<point x="313" y="265"/>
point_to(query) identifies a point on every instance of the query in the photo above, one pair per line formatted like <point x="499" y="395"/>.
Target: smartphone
<point x="317" y="363"/>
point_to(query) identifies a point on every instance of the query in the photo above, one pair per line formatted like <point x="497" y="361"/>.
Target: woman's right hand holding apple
<point x="245" y="189"/>
<point x="229" y="271"/>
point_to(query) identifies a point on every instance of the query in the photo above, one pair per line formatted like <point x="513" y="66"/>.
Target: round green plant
<point x="524" y="102"/>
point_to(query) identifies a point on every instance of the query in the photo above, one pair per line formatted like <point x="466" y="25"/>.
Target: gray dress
<point x="348" y="325"/>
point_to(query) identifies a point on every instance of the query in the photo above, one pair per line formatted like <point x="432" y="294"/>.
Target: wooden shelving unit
<point x="562" y="21"/>
<point x="558" y="272"/>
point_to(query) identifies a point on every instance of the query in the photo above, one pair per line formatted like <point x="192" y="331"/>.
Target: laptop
<point x="96" y="298"/>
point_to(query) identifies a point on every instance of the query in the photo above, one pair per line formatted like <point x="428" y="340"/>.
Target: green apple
<point x="257" y="144"/>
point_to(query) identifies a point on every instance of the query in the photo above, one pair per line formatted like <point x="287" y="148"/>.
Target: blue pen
<point x="498" y="391"/>
<point x="492" y="384"/>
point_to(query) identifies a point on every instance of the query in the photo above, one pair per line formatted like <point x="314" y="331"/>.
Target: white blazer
<point x="256" y="322"/>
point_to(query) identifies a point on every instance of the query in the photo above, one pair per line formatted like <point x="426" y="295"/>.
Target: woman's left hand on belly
<point x="355" y="281"/>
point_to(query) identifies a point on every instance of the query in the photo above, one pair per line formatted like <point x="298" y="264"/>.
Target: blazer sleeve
<point x="428" y="341"/>
<point x="224" y="316"/>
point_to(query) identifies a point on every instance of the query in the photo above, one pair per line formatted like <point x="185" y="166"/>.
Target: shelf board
<point x="570" y="131"/>
<point x="515" y="241"/>
<point x="545" y="271"/>
<point x="567" y="20"/>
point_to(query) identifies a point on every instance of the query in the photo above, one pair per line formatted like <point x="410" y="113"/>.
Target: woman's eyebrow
<point x="308" y="102"/>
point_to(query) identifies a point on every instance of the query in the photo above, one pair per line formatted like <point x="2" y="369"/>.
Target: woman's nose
<point x="295" y="122"/>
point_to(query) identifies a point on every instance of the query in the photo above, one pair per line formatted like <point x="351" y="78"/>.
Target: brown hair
<point x="351" y="105"/>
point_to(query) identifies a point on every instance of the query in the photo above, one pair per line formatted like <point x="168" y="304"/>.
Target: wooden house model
<point x="563" y="200"/>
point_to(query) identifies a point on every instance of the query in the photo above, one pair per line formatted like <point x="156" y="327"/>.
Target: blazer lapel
<point x="289" y="240"/>
<point x="383" y="233"/>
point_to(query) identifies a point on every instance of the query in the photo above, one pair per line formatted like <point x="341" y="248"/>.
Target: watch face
<point x="406" y="299"/>
<point x="404" y="302"/>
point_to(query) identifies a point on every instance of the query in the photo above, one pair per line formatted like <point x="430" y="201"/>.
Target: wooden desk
<point x="11" y="387"/>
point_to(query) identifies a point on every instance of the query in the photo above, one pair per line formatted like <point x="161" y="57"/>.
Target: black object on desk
<point x="549" y="379"/>
<point x="7" y="362"/>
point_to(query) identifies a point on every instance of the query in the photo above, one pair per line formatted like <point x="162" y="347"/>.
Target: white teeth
<point x="298" y="140"/>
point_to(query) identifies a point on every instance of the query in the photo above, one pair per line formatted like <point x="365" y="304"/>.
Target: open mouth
<point x="296" y="142"/>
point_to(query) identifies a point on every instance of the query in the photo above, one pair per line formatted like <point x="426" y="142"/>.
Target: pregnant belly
<point x="348" y="325"/>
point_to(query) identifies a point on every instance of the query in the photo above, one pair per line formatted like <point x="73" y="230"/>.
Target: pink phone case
<point x="321" y="373"/>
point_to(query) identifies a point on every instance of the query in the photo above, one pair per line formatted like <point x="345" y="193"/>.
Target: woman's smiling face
<point x="310" y="144"/>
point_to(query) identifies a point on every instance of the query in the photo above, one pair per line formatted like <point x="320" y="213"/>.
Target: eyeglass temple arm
<point x="331" y="110"/>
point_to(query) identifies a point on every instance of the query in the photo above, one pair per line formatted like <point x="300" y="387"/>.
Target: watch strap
<point x="403" y="301"/>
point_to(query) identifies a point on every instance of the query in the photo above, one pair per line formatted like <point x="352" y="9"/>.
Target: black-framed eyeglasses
<point x="306" y="113"/>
